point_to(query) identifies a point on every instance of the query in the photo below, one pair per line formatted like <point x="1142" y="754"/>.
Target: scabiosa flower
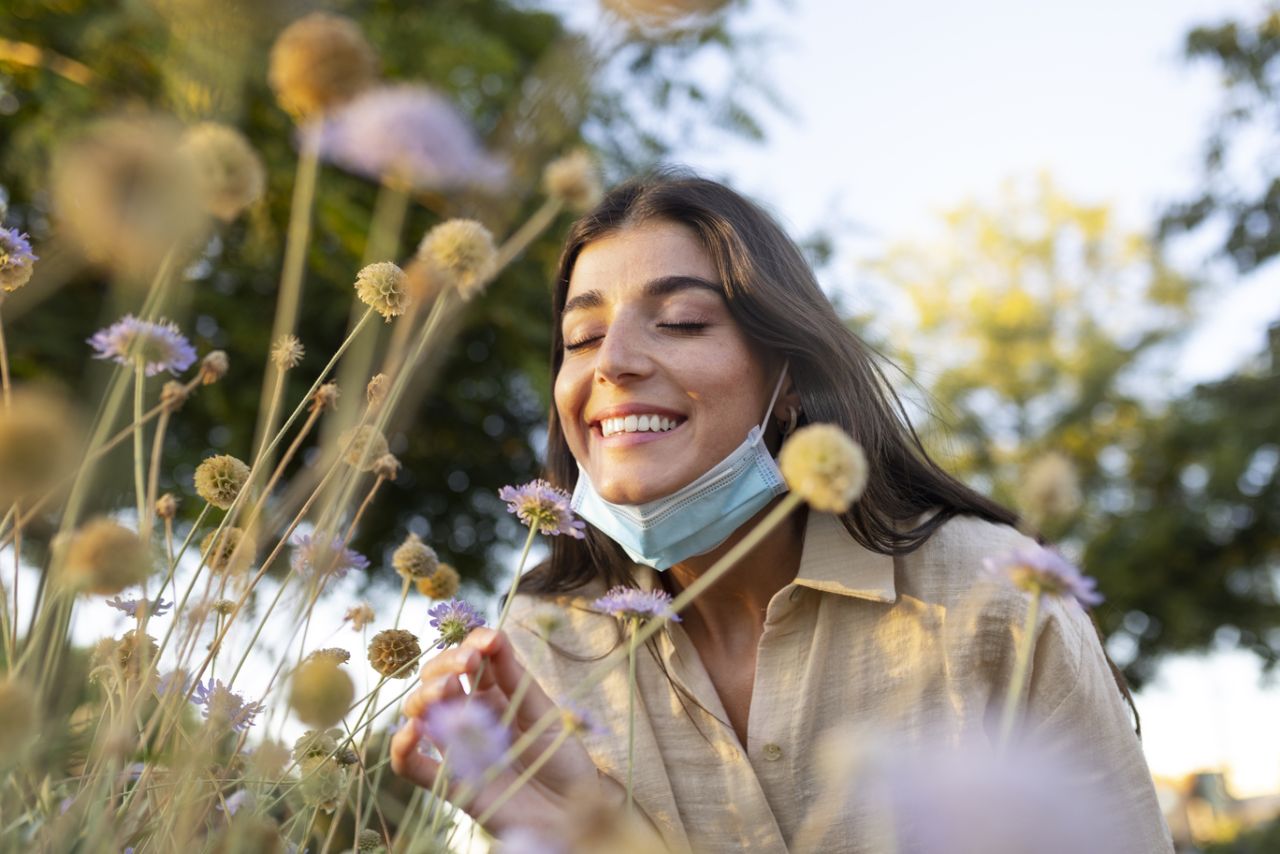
<point x="460" y="254"/>
<point x="318" y="62"/>
<point x="470" y="733"/>
<point x="411" y="135"/>
<point x="369" y="840"/>
<point x="573" y="180"/>
<point x="386" y="467"/>
<point x="365" y="445"/>
<point x="105" y="558"/>
<point x="322" y="743"/>
<point x="238" y="800"/>
<point x="161" y="346"/>
<point x="359" y="616"/>
<point x="167" y="506"/>
<point x="287" y="352"/>
<point x="135" y="607"/>
<point x="16" y="259"/>
<point x="441" y="584"/>
<point x="326" y="397"/>
<point x="220" y="478"/>
<point x="321" y="692"/>
<point x="173" y="394"/>
<point x="393" y="652"/>
<point x="227" y="169"/>
<point x="213" y="367"/>
<point x="233" y="552"/>
<point x="331" y="654"/>
<point x="824" y="466"/>
<point x="134" y="654"/>
<point x="1050" y="489"/>
<point x="224" y="707"/>
<point x="40" y="442"/>
<point x="175" y="682"/>
<point x="627" y="603"/>
<point x="539" y="504"/>
<point x="454" y="620"/>
<point x="323" y="783"/>
<point x="381" y="287"/>
<point x="311" y="554"/>
<point x="414" y="559"/>
<point x="1040" y="570"/>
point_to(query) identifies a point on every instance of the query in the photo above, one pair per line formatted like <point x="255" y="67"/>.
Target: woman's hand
<point x="543" y="799"/>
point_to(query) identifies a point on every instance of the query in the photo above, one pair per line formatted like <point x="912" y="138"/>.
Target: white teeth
<point x="636" y="424"/>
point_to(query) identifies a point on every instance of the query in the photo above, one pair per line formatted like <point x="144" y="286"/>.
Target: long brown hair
<point x="772" y="293"/>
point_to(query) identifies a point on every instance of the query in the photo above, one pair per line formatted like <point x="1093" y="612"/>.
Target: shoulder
<point x="565" y="621"/>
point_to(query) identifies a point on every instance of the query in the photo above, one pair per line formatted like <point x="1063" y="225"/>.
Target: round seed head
<point x="319" y="62"/>
<point x="17" y="716"/>
<point x="173" y="394"/>
<point x="370" y="840"/>
<point x="394" y="652"/>
<point x="323" y="783"/>
<point x="387" y="467"/>
<point x="326" y="397"/>
<point x="364" y="445"/>
<point x="441" y="584"/>
<point x="574" y="180"/>
<point x="381" y="286"/>
<point x="213" y="367"/>
<point x="39" y="443"/>
<point x="287" y="352"/>
<point x="104" y="558"/>
<point x="459" y="253"/>
<point x="219" y="480"/>
<point x="824" y="466"/>
<point x="321" y="692"/>
<point x="166" y="506"/>
<point x="233" y="552"/>
<point x="228" y="172"/>
<point x="414" y="559"/>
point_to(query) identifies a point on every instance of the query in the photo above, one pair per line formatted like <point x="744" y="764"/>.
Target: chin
<point x="627" y="490"/>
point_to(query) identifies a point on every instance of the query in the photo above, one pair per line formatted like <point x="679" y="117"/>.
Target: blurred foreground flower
<point x="441" y="584"/>
<point x="365" y="445"/>
<point x="220" y="478"/>
<point x="824" y="466"/>
<point x="414" y="559"/>
<point x="359" y="616"/>
<point x="321" y="692"/>
<point x="17" y="718"/>
<point x="470" y="733"/>
<point x="16" y="259"/>
<point x="233" y="553"/>
<point x="454" y="620"/>
<point x="459" y="254"/>
<point x="574" y="180"/>
<point x="1049" y="490"/>
<point x="229" y="173"/>
<point x="540" y="505"/>
<point x="224" y="707"/>
<point x="394" y="652"/>
<point x="40" y="440"/>
<point x="104" y="557"/>
<point x="136" y="607"/>
<point x="661" y="14"/>
<point x="160" y="345"/>
<point x="1040" y="570"/>
<point x="410" y="135"/>
<point x="320" y="558"/>
<point x="319" y="62"/>
<point x="323" y="783"/>
<point x="628" y="603"/>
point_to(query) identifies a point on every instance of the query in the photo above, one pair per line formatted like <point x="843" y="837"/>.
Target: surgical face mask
<point x="696" y="518"/>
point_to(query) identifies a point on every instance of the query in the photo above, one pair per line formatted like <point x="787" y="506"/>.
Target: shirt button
<point x="772" y="752"/>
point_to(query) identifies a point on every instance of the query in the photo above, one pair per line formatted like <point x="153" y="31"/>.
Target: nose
<point x="623" y="355"/>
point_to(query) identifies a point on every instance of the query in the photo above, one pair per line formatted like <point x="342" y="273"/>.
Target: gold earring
<point x="793" y="416"/>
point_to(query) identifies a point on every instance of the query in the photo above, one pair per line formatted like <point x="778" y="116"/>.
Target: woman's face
<point x="658" y="382"/>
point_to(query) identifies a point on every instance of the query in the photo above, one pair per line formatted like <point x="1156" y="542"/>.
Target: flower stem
<point x="526" y="775"/>
<point x="139" y="441"/>
<point x="515" y="579"/>
<point x="632" y="690"/>
<point x="1021" y="665"/>
<point x="4" y="363"/>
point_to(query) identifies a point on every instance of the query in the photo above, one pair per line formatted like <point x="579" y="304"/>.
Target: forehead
<point x="638" y="254"/>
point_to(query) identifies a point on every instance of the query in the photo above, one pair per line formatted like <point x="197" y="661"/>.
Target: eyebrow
<point x="656" y="288"/>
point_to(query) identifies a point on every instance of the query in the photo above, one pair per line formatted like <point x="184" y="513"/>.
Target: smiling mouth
<point x="638" y="424"/>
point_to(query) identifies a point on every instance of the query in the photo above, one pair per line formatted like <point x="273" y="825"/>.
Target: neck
<point x="734" y="607"/>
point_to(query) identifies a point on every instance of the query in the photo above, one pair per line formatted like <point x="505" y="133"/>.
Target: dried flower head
<point x="104" y="558"/>
<point x="319" y="62"/>
<point x="326" y="397"/>
<point x="471" y="734"/>
<point x="323" y="783"/>
<point x="454" y="620"/>
<point x="224" y="707"/>
<point x="223" y="607"/>
<point x="364" y="446"/>
<point x="17" y="716"/>
<point x="17" y="261"/>
<point x="414" y="559"/>
<point x="442" y="584"/>
<point x="628" y="603"/>
<point x="40" y="442"/>
<point x="137" y="608"/>
<point x="386" y="467"/>
<point x="824" y="466"/>
<point x="393" y="653"/>
<point x="213" y="367"/>
<point x="656" y="16"/>
<point x="359" y="616"/>
<point x="1049" y="490"/>
<point x="287" y="352"/>
<point x="331" y="654"/>
<point x="220" y="478"/>
<point x="376" y="391"/>
<point x="369" y="840"/>
<point x="574" y="180"/>
<point x="232" y="554"/>
<point x="166" y="505"/>
<point x="540" y="505"/>
<point x="460" y="254"/>
<point x="409" y="135"/>
<point x="160" y="346"/>
<point x="126" y="196"/>
<point x="1039" y="570"/>
<point x="134" y="655"/>
<point x="323" y="743"/>
<point x="227" y="170"/>
<point x="173" y="394"/>
<point x="321" y="692"/>
<point x="320" y="557"/>
<point x="381" y="287"/>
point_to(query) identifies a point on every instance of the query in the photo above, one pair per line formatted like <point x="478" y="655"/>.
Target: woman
<point x="690" y="337"/>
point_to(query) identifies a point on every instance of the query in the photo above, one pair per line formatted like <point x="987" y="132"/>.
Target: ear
<point x="788" y="399"/>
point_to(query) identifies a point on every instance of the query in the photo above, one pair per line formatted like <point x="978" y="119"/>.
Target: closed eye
<point x="579" y="344"/>
<point x="690" y="326"/>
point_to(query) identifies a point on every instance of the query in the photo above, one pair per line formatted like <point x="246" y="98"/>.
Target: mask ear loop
<point x="777" y="389"/>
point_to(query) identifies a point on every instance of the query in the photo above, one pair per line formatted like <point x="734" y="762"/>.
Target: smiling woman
<point x="690" y="339"/>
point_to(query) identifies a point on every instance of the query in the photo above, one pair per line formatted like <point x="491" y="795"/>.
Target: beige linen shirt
<point x="920" y="645"/>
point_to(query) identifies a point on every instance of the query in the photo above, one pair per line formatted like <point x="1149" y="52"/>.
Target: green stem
<point x="1021" y="665"/>
<point x="4" y="363"/>
<point x="139" y="442"/>
<point x="515" y="579"/>
<point x="632" y="690"/>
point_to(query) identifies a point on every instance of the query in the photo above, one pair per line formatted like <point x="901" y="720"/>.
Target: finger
<point x="450" y="662"/>
<point x="505" y="673"/>
<point x="408" y="761"/>
<point x="445" y="687"/>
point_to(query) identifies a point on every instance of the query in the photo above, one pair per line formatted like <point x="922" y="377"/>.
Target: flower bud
<point x="166" y="506"/>
<point x="213" y="367"/>
<point x="233" y="553"/>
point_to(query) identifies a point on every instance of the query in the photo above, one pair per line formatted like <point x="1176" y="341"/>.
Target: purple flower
<point x="223" y="705"/>
<point x="160" y="345"/>
<point x="311" y="554"/>
<point x="1040" y="570"/>
<point x="539" y="504"/>
<point x="468" y="733"/>
<point x="408" y="133"/>
<point x="239" y="799"/>
<point x="629" y="602"/>
<point x="16" y="259"/>
<point x="175" y="681"/>
<point x="454" y="620"/>
<point x="527" y="840"/>
<point x="131" y="606"/>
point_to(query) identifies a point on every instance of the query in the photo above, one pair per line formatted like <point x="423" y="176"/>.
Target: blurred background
<point x="1059" y="219"/>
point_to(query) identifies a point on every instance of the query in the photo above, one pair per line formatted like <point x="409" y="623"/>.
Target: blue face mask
<point x="696" y="518"/>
